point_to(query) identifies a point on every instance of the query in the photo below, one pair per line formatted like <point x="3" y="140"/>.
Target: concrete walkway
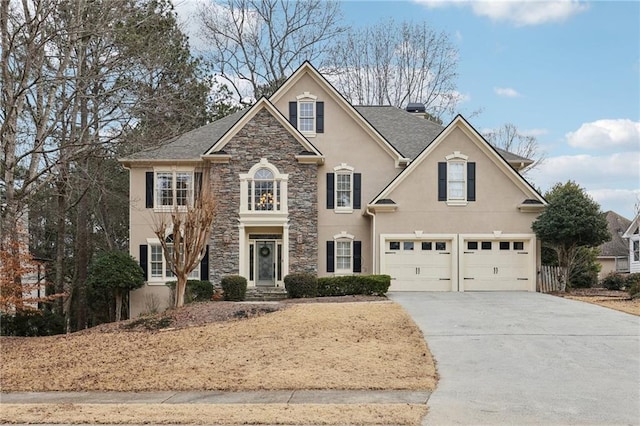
<point x="213" y="397"/>
<point x="528" y="358"/>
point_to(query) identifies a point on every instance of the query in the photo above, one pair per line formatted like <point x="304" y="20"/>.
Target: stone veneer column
<point x="264" y="137"/>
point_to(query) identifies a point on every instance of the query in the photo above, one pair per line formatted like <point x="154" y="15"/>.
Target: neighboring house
<point x="632" y="234"/>
<point x="614" y="254"/>
<point x="306" y="182"/>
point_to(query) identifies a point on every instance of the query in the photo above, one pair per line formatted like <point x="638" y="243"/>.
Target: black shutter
<point x="357" y="190"/>
<point x="357" y="256"/>
<point x="143" y="260"/>
<point x="471" y="181"/>
<point x="197" y="185"/>
<point x="293" y="114"/>
<point x="149" y="190"/>
<point x="204" y="266"/>
<point x="319" y="117"/>
<point x="330" y="189"/>
<point x="330" y="259"/>
<point x="442" y="181"/>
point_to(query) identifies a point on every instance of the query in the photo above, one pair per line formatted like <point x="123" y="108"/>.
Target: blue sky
<point x="566" y="72"/>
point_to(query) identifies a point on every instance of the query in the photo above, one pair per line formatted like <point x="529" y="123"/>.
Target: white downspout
<point x="373" y="240"/>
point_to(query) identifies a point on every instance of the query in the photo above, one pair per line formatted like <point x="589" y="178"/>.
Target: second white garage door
<point x="496" y="265"/>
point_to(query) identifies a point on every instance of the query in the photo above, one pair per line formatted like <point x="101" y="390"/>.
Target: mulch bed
<point x="198" y="314"/>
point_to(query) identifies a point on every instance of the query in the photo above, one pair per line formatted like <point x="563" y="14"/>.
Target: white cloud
<point x="606" y="135"/>
<point x="612" y="180"/>
<point x="506" y="92"/>
<point x="621" y="201"/>
<point x="519" y="13"/>
<point x="617" y="170"/>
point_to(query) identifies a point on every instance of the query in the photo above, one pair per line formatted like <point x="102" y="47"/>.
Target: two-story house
<point x="306" y="182"/>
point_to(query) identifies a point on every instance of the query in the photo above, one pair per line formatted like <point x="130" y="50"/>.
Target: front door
<point x="265" y="265"/>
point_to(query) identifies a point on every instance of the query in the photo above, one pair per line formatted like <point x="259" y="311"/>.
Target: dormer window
<point x="307" y="114"/>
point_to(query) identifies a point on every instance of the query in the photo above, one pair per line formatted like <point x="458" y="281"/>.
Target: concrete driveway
<point x="528" y="358"/>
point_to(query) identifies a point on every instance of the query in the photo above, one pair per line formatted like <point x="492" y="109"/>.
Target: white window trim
<point x="457" y="158"/>
<point x="306" y="97"/>
<point x="343" y="237"/>
<point x="157" y="206"/>
<point x="343" y="169"/>
<point x="151" y="280"/>
<point x="246" y="181"/>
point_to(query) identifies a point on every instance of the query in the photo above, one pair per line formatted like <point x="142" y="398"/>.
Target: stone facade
<point x="264" y="137"/>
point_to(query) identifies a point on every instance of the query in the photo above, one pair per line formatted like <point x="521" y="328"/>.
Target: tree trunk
<point x="118" y="305"/>
<point x="82" y="257"/>
<point x="181" y="286"/>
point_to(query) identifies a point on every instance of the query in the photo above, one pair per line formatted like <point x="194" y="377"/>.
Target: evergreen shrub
<point x="234" y="287"/>
<point x="613" y="281"/>
<point x="346" y="285"/>
<point x="301" y="285"/>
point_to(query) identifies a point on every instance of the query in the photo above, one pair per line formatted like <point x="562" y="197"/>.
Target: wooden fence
<point x="549" y="279"/>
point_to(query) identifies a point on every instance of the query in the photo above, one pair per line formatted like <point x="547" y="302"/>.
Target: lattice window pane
<point x="183" y="188"/>
<point x="343" y="190"/>
<point x="164" y="188"/>
<point x="343" y="255"/>
<point x="306" y="116"/>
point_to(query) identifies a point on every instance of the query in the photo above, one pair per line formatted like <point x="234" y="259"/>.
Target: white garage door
<point x="496" y="265"/>
<point x="418" y="265"/>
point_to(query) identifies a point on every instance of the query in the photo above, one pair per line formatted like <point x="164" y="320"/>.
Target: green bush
<point x="632" y="283"/>
<point x="31" y="324"/>
<point x="346" y="285"/>
<point x="196" y="291"/>
<point x="613" y="281"/>
<point x="234" y="287"/>
<point x="301" y="285"/>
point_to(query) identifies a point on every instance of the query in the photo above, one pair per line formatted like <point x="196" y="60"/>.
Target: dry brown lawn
<point x="305" y="346"/>
<point x="613" y="299"/>
<point x="365" y="345"/>
<point x="272" y="414"/>
<point x="630" y="306"/>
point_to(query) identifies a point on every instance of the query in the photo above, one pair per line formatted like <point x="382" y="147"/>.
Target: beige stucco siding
<point x="495" y="208"/>
<point x="344" y="141"/>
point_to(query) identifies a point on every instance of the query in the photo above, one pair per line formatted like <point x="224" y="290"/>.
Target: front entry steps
<point x="263" y="294"/>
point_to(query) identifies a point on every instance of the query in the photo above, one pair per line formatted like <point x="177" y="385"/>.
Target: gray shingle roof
<point x="193" y="144"/>
<point x="616" y="225"/>
<point x="408" y="133"/>
<point x="411" y="133"/>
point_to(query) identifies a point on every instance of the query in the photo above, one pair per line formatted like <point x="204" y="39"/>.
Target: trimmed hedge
<point x="196" y="291"/>
<point x="301" y="285"/>
<point x="347" y="285"/>
<point x="234" y="287"/>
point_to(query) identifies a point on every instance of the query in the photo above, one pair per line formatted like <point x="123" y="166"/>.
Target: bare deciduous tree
<point x="258" y="42"/>
<point x="190" y="228"/>
<point x="509" y="138"/>
<point x="396" y="63"/>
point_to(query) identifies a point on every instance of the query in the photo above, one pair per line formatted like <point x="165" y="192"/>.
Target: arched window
<point x="264" y="192"/>
<point x="265" y="189"/>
